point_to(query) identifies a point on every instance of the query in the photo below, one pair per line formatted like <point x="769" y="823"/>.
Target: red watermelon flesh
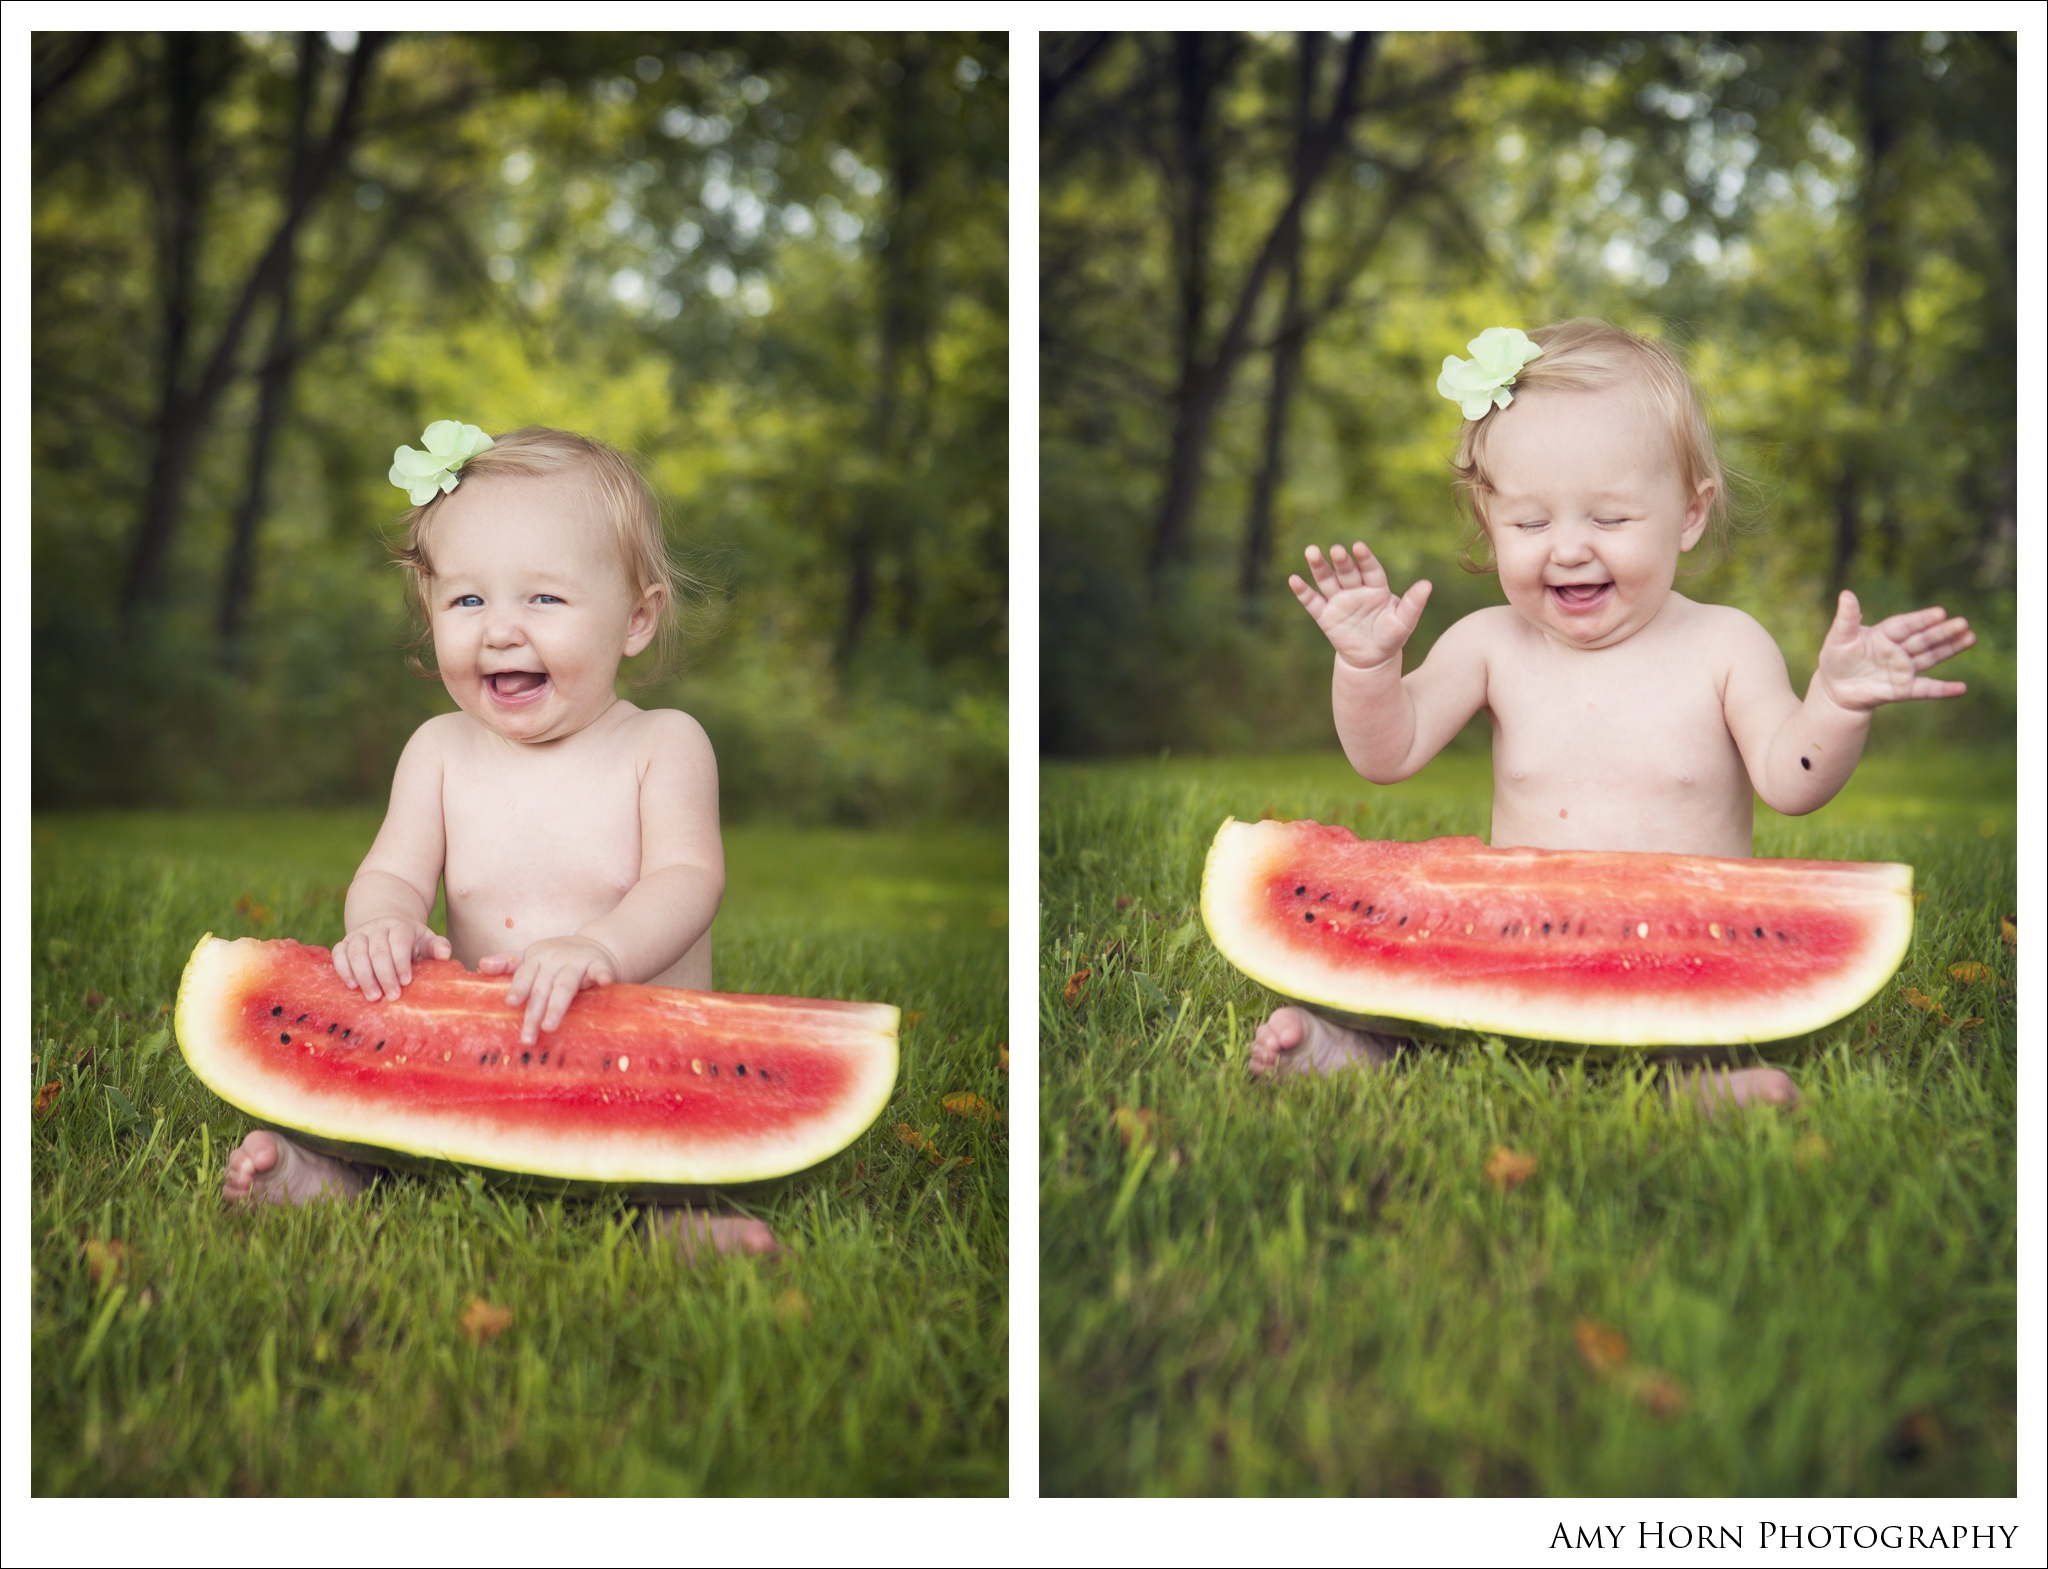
<point x="646" y="1085"/>
<point x="1596" y="948"/>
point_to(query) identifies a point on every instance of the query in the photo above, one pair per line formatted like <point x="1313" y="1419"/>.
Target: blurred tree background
<point x="771" y="267"/>
<point x="1258" y="248"/>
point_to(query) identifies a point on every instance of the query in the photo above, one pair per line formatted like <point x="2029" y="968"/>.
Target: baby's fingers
<point x="1311" y="601"/>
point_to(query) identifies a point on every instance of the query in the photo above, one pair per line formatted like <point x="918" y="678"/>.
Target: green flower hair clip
<point x="450" y="444"/>
<point x="1482" y="382"/>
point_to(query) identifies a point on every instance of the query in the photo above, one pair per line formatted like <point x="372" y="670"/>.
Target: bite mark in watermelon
<point x="1593" y="948"/>
<point x="648" y="1086"/>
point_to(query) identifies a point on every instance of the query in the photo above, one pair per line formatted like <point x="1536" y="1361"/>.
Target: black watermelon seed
<point x="344" y="1034"/>
<point x="1323" y="899"/>
<point x="1806" y="762"/>
<point x="1354" y="904"/>
<point x="332" y="1028"/>
<point x="1308" y="915"/>
<point x="741" y="1070"/>
<point x="1503" y="931"/>
<point x="1402" y="922"/>
<point x="1759" y="931"/>
<point x="1368" y="909"/>
<point x="301" y="1019"/>
<point x="1302" y="889"/>
<point x="543" y="1059"/>
<point x="1781" y="937"/>
<point x="284" y="1040"/>
<point x="380" y="1045"/>
<point x="525" y="1057"/>
<point x="714" y="1070"/>
<point x="1546" y="928"/>
<point x="607" y="1062"/>
<point x="482" y="1057"/>
<point x="761" y="1073"/>
<point x="274" y="1012"/>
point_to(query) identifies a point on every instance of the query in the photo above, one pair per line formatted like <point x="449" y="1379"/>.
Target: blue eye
<point x="469" y="601"/>
<point x="547" y="599"/>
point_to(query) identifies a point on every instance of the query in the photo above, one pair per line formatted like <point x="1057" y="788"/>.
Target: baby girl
<point x="1625" y="716"/>
<point x="576" y="835"/>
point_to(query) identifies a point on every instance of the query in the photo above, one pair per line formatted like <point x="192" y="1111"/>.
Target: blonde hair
<point x="622" y="499"/>
<point x="1585" y="355"/>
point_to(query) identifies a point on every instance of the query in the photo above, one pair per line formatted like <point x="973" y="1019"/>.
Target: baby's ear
<point x="646" y="618"/>
<point x="1697" y="515"/>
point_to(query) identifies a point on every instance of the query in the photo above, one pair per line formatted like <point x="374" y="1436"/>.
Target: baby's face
<point x="1589" y="513"/>
<point x="531" y="611"/>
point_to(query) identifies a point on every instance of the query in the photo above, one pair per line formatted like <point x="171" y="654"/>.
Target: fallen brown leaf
<point x="46" y="1097"/>
<point x="1134" y="1125"/>
<point x="967" y="1105"/>
<point x="247" y="906"/>
<point x="912" y="1018"/>
<point x="106" y="1259"/>
<point x="95" y="1000"/>
<point x="1601" y="1346"/>
<point x="1075" y="982"/>
<point x="1916" y="998"/>
<point x="482" y="1321"/>
<point x="1003" y="1056"/>
<point x="1124" y="901"/>
<point x="1660" y="1394"/>
<point x="1506" y="1169"/>
<point x="1973" y="973"/>
<point x="914" y="1139"/>
<point x="2009" y="930"/>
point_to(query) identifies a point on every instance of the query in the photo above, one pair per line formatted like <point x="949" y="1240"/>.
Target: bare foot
<point x="691" y="1229"/>
<point x="266" y="1169"/>
<point x="1713" y="1088"/>
<point x="1293" y="1040"/>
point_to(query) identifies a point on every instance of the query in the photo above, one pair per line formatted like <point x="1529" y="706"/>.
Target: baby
<point x="1625" y="716"/>
<point x="576" y="834"/>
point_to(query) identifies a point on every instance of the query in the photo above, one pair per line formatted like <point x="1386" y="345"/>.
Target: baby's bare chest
<point x="1629" y="726"/>
<point x="558" y="831"/>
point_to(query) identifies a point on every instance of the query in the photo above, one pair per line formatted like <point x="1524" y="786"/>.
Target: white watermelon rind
<point x="627" y="1160"/>
<point x="1234" y="913"/>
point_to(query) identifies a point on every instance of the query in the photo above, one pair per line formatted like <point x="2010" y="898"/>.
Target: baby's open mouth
<point x="512" y="686"/>
<point x="1580" y="596"/>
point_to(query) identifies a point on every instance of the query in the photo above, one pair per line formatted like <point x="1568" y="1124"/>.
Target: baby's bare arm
<point x="1799" y="755"/>
<point x="1389" y="725"/>
<point x="682" y="861"/>
<point x="393" y="892"/>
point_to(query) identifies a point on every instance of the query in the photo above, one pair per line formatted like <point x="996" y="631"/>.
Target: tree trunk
<point x="1287" y="353"/>
<point x="1205" y="374"/>
<point x="906" y="313"/>
<point x="275" y="380"/>
<point x="185" y="411"/>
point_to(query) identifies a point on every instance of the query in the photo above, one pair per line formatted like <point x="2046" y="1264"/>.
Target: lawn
<point x="181" y="1347"/>
<point x="1316" y="1287"/>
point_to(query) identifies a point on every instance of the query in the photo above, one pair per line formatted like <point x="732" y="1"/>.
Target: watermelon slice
<point x="644" y="1086"/>
<point x="1591" y="948"/>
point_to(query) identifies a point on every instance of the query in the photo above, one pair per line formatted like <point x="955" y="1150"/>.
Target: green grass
<point x="322" y="1351"/>
<point x="1313" y="1287"/>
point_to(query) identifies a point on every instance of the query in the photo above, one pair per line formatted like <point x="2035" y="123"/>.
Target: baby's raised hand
<point x="1359" y="613"/>
<point x="1862" y="667"/>
<point x="377" y="956"/>
<point x="546" y="977"/>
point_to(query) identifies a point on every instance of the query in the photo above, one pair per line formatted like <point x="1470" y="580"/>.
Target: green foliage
<point x="322" y="1351"/>
<point x="1822" y="224"/>
<point x="773" y="269"/>
<point x="1313" y="1287"/>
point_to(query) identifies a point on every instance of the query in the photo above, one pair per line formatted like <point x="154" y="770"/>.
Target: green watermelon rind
<point x="431" y="1141"/>
<point x="1450" y="1010"/>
